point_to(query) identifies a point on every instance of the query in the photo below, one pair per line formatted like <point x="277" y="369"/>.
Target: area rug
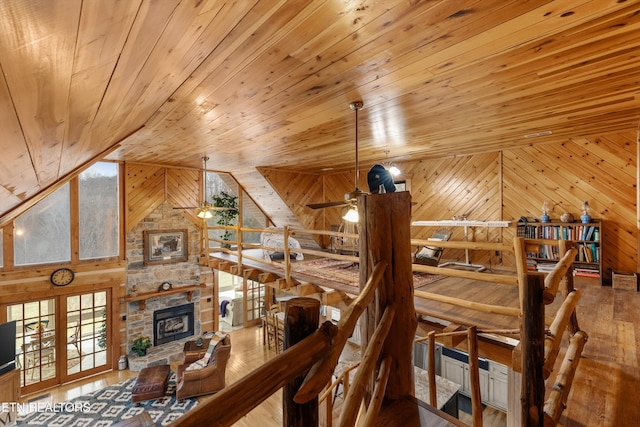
<point x="348" y="272"/>
<point x="108" y="406"/>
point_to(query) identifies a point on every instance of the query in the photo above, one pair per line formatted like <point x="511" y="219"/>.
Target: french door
<point x="255" y="307"/>
<point x="36" y="336"/>
<point x="60" y="339"/>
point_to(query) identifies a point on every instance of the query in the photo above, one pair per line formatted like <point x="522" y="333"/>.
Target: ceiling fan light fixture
<point x="393" y="170"/>
<point x="391" y="167"/>
<point x="351" y="215"/>
<point x="204" y="213"/>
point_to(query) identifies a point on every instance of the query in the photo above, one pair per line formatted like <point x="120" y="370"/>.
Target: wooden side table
<point x="192" y="352"/>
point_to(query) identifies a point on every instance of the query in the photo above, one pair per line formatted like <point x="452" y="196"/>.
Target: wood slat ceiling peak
<point x="268" y="83"/>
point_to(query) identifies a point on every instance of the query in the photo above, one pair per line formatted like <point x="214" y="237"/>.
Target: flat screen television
<point x="8" y="346"/>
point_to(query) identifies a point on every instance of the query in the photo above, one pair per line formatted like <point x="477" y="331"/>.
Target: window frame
<point x="8" y="262"/>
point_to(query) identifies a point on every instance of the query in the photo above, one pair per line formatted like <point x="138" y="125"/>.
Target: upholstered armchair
<point x="206" y="380"/>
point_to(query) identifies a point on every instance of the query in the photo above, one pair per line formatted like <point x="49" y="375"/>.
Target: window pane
<point x="42" y="234"/>
<point x="252" y="217"/>
<point x="216" y="185"/>
<point x="99" y="210"/>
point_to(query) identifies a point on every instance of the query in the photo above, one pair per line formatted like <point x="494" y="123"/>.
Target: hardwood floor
<point x="604" y="391"/>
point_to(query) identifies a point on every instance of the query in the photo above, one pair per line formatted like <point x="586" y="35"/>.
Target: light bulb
<point x="205" y="214"/>
<point x="393" y="170"/>
<point x="351" y="215"/>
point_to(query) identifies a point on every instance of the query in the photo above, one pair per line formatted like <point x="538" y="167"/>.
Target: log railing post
<point x="532" y="342"/>
<point x="385" y="221"/>
<point x="302" y="317"/>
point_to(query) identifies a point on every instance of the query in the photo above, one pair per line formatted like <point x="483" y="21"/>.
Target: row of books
<point x="546" y="267"/>
<point x="578" y="232"/>
<point x="546" y="252"/>
<point x="562" y="232"/>
<point x="586" y="272"/>
<point x="588" y="252"/>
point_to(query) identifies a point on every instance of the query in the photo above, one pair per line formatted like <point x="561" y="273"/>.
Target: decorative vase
<point x="585" y="218"/>
<point x="567" y="217"/>
<point x="544" y="218"/>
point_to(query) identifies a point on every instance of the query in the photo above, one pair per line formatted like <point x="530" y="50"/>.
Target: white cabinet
<point x="458" y="372"/>
<point x="493" y="379"/>
<point x="498" y="386"/>
<point x="453" y="370"/>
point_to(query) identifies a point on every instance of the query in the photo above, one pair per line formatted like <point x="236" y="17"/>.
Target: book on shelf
<point x="589" y="233"/>
<point x="586" y="272"/>
<point x="546" y="266"/>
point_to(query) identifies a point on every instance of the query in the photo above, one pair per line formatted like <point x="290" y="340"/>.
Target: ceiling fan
<point x="205" y="209"/>
<point x="350" y="198"/>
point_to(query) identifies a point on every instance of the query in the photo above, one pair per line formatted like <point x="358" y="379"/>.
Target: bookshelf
<point x="586" y="237"/>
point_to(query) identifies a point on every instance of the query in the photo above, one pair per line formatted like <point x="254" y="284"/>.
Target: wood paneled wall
<point x="144" y="191"/>
<point x="148" y="186"/>
<point x="504" y="186"/>
<point x="601" y="170"/>
<point x="297" y="190"/>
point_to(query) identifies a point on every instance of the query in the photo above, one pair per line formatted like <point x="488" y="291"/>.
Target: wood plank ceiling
<point x="267" y="83"/>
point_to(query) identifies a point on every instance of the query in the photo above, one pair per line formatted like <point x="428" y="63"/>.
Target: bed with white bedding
<point x="273" y="246"/>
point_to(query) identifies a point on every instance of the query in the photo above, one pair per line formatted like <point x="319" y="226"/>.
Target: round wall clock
<point x="62" y="276"/>
<point x="165" y="286"/>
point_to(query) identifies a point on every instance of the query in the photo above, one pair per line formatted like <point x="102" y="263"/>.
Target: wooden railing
<point x="238" y="246"/>
<point x="315" y="356"/>
<point x="318" y="354"/>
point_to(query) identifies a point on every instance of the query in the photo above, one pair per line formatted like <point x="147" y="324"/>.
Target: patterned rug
<point x="108" y="406"/>
<point x="348" y="272"/>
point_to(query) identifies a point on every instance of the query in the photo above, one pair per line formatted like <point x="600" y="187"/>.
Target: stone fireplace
<point x="143" y="279"/>
<point x="172" y="324"/>
<point x="169" y="321"/>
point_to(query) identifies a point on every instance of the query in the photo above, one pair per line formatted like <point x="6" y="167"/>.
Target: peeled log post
<point x="385" y="235"/>
<point x="532" y="345"/>
<point x="301" y="320"/>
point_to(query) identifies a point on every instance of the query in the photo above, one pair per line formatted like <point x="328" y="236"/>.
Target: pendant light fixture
<point x="204" y="211"/>
<point x="352" y="213"/>
<point x="391" y="167"/>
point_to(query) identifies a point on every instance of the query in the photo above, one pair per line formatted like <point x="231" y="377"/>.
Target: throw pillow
<point x="428" y="251"/>
<point x="201" y="363"/>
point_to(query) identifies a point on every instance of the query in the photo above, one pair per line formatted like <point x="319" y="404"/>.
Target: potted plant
<point x="226" y="217"/>
<point x="140" y="345"/>
<point x="102" y="337"/>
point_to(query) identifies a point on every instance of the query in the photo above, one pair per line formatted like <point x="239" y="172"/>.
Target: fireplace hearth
<point x="172" y="324"/>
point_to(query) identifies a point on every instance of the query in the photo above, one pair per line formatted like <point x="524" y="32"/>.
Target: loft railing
<point x="315" y="356"/>
<point x="559" y="279"/>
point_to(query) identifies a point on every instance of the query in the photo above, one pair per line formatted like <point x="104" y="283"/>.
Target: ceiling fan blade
<point x="216" y="208"/>
<point x="326" y="205"/>
<point x="211" y="208"/>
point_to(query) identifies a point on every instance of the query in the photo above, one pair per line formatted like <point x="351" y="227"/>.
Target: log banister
<point x="463" y="274"/>
<point x="367" y="365"/>
<point x="378" y="393"/>
<point x="486" y="308"/>
<point x="271" y="376"/>
<point x="318" y="354"/>
<point x="553" y="339"/>
<point x="557" y="401"/>
<point x="464" y="244"/>
<point x="553" y="279"/>
<point x="320" y="374"/>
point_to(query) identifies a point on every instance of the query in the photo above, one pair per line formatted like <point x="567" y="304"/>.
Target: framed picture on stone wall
<point x="164" y="246"/>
